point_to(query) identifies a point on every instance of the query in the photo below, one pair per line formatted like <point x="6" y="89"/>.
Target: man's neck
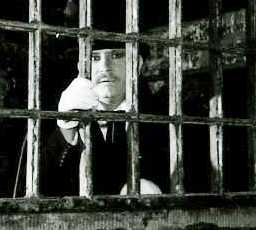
<point x="113" y="107"/>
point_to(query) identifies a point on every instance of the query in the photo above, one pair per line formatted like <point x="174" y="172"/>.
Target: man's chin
<point x="109" y="102"/>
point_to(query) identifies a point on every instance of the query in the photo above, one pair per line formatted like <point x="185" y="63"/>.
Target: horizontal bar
<point x="75" y="32"/>
<point x="120" y="37"/>
<point x="114" y="203"/>
<point x="17" y="26"/>
<point x="133" y="117"/>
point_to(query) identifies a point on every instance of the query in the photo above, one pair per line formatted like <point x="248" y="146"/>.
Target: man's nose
<point x="106" y="62"/>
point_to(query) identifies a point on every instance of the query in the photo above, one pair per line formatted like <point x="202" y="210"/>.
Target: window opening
<point x="86" y="36"/>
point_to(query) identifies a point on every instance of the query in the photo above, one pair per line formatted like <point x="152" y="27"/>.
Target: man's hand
<point x="146" y="187"/>
<point x="79" y="95"/>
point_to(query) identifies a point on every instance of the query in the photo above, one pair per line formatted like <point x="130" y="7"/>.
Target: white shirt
<point x="103" y="127"/>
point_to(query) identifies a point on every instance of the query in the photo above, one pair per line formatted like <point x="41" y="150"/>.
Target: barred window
<point x="190" y="112"/>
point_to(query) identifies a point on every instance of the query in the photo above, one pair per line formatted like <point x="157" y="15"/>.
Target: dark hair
<point x="98" y="44"/>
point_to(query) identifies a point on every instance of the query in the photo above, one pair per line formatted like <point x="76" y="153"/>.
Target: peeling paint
<point x="233" y="38"/>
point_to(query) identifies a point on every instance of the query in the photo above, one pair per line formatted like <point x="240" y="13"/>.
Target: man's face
<point x="108" y="76"/>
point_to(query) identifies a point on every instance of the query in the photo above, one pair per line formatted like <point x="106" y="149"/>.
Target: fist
<point x="79" y="95"/>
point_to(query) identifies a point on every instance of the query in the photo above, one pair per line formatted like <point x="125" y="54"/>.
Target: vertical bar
<point x="216" y="110"/>
<point x="85" y="49"/>
<point x="85" y="167"/>
<point x="32" y="174"/>
<point x="251" y="87"/>
<point x="175" y="99"/>
<point x="132" y="70"/>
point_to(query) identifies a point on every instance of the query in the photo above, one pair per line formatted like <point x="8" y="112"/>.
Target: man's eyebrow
<point x="119" y="50"/>
<point x="110" y="52"/>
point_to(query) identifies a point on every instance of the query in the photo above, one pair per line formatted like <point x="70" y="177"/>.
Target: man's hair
<point x="98" y="44"/>
<point x="143" y="47"/>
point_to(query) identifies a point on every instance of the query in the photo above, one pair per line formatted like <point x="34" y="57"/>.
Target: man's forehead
<point x="108" y="51"/>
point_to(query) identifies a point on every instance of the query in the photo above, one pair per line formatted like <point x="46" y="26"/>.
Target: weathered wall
<point x="165" y="213"/>
<point x="197" y="60"/>
<point x="151" y="220"/>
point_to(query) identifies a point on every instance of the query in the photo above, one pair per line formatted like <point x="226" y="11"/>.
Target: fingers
<point x="79" y="95"/>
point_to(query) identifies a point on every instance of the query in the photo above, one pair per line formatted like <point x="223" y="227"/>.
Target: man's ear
<point x="140" y="63"/>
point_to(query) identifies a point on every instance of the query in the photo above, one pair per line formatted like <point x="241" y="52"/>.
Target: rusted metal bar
<point x="175" y="100"/>
<point x="85" y="49"/>
<point x="116" y="204"/>
<point x="85" y="31"/>
<point x="17" y="26"/>
<point x="85" y="167"/>
<point x="33" y="136"/>
<point x="132" y="117"/>
<point x="132" y="69"/>
<point x="216" y="110"/>
<point x="251" y="89"/>
<point x="158" y="37"/>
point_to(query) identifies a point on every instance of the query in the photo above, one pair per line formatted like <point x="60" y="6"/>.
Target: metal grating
<point x="176" y="119"/>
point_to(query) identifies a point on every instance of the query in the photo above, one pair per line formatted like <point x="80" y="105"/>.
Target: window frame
<point x="85" y="34"/>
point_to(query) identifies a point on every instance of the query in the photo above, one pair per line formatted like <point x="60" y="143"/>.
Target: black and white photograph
<point x="128" y="114"/>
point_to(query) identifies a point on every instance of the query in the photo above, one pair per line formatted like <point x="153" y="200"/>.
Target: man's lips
<point x="102" y="81"/>
<point x="106" y="80"/>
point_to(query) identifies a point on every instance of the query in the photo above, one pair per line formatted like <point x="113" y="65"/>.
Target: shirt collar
<point x="123" y="106"/>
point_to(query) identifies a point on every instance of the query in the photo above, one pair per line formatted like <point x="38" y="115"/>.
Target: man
<point x="105" y="92"/>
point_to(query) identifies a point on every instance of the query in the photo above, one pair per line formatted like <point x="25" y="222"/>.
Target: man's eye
<point x="117" y="55"/>
<point x="95" y="58"/>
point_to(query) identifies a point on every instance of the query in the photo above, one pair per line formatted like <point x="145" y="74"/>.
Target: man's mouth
<point x="106" y="80"/>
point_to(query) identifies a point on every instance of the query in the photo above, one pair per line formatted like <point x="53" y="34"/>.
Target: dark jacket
<point x="108" y="162"/>
<point x="110" y="156"/>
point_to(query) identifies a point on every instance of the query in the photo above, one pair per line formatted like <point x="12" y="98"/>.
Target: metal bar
<point x="85" y="167"/>
<point x="239" y="48"/>
<point x="216" y="110"/>
<point x="199" y="202"/>
<point x="132" y="69"/>
<point x="85" y="49"/>
<point x="175" y="99"/>
<point x="251" y="88"/>
<point x="17" y="26"/>
<point x="85" y="31"/>
<point x="194" y="33"/>
<point x="113" y="36"/>
<point x="33" y="137"/>
<point x="132" y="117"/>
